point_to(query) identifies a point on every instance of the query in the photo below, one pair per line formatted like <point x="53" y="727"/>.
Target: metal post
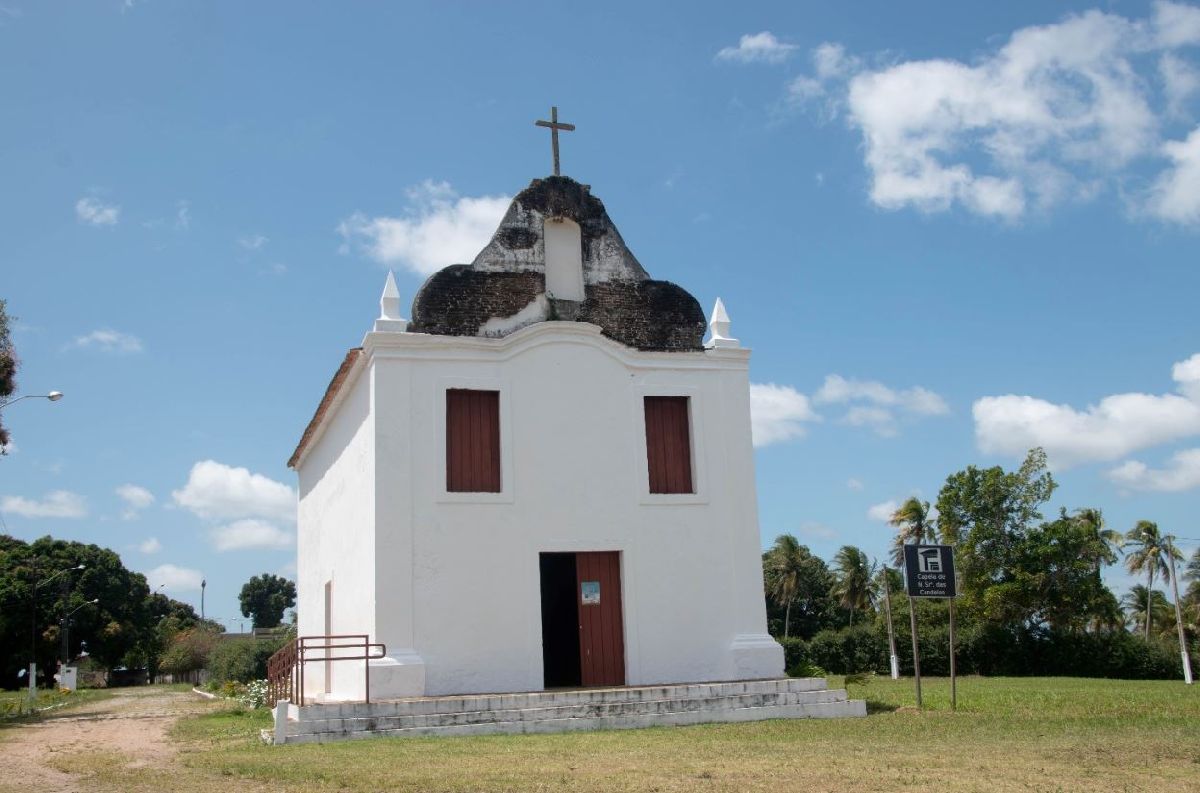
<point x="953" y="676"/>
<point x="33" y="587"/>
<point x="1183" y="650"/>
<point x="912" y="616"/>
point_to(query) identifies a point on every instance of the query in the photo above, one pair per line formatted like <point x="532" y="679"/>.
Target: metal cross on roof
<point x="555" y="126"/>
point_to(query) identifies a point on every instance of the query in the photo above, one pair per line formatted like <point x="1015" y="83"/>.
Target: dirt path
<point x="133" y="723"/>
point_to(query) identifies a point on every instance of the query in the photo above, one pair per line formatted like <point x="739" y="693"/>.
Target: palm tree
<point x="1162" y="616"/>
<point x="785" y="564"/>
<point x="1108" y="541"/>
<point x="852" y="585"/>
<point x="913" y="525"/>
<point x="1149" y="556"/>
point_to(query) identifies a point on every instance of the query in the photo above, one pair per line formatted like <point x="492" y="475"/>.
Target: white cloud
<point x="854" y="484"/>
<point x="95" y="212"/>
<point x="1187" y="374"/>
<point x="216" y="490"/>
<point x="1180" y="81"/>
<point x="253" y="242"/>
<point x="1175" y="196"/>
<point x="1115" y="426"/>
<point x="183" y="215"/>
<point x="1053" y="114"/>
<point x="875" y="405"/>
<point x="816" y="531"/>
<point x="150" y="545"/>
<point x="883" y="511"/>
<point x="1176" y="24"/>
<point x="758" y="48"/>
<point x="8" y="448"/>
<point x="174" y="578"/>
<point x="439" y="228"/>
<point x="56" y="504"/>
<point x="136" y="499"/>
<point x="778" y="413"/>
<point x="108" y="340"/>
<point x="1182" y="473"/>
<point x="249" y="533"/>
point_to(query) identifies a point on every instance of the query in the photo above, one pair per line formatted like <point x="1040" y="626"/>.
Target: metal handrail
<point x="285" y="669"/>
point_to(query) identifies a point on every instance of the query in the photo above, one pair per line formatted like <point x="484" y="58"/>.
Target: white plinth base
<point x="756" y="656"/>
<point x="400" y="674"/>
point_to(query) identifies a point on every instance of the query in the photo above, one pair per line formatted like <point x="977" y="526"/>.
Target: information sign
<point x="929" y="571"/>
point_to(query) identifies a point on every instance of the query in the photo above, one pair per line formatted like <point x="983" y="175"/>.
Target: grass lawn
<point x="1008" y="734"/>
<point x="16" y="708"/>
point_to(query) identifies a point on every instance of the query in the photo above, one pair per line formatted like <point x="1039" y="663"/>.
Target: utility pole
<point x="887" y="601"/>
<point x="1183" y="650"/>
<point x="203" y="584"/>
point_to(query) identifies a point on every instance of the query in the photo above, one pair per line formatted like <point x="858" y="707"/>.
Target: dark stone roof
<point x="508" y="278"/>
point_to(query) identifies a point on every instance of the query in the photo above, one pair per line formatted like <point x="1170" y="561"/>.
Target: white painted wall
<point x="564" y="258"/>
<point x="458" y="601"/>
<point x="336" y="531"/>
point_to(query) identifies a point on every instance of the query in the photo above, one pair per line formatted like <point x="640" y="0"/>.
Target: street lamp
<point x="53" y="396"/>
<point x="33" y="619"/>
<point x="65" y="624"/>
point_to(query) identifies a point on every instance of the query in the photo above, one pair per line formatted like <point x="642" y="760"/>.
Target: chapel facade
<point x="543" y="479"/>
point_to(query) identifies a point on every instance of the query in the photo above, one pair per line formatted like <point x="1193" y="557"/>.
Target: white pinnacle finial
<point x="389" y="308"/>
<point x="719" y="326"/>
<point x="389" y="303"/>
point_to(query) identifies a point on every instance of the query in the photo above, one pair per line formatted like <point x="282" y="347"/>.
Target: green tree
<point x="912" y="524"/>
<point x="1148" y="555"/>
<point x="111" y="628"/>
<point x="1055" y="579"/>
<point x="798" y="583"/>
<point x="991" y="511"/>
<point x="8" y="368"/>
<point x="1107" y="542"/>
<point x="265" y="597"/>
<point x="1140" y="601"/>
<point x="853" y="580"/>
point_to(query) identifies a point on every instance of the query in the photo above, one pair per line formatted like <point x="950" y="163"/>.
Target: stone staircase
<point x="565" y="710"/>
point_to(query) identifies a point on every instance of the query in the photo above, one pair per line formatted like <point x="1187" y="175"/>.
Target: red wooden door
<point x="601" y="628"/>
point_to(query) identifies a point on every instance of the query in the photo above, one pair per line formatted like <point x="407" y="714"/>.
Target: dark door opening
<point x="560" y="620"/>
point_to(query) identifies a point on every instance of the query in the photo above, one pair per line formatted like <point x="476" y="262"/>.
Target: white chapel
<point x="543" y="479"/>
<point x="541" y="482"/>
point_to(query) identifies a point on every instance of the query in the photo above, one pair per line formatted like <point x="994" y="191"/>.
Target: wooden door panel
<point x="601" y="625"/>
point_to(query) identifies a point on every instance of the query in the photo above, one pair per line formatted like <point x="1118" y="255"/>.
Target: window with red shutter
<point x="472" y="441"/>
<point x="668" y="444"/>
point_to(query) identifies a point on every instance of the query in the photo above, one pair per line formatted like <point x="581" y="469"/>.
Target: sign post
<point x="929" y="573"/>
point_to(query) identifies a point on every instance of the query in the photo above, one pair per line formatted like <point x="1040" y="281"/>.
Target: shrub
<point x="189" y="650"/>
<point x="254" y="694"/>
<point x="242" y="661"/>
<point x="795" y="652"/>
<point x="850" y="650"/>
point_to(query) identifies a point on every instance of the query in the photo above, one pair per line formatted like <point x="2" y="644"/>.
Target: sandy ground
<point x="134" y="723"/>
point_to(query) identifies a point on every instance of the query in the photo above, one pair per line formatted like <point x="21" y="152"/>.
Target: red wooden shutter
<point x="668" y="444"/>
<point x="472" y="441"/>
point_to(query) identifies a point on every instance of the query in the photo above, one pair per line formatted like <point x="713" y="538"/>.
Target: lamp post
<point x="53" y="396"/>
<point x="65" y="624"/>
<point x="33" y="608"/>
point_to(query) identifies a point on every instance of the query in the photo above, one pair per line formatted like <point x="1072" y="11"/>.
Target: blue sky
<point x="949" y="232"/>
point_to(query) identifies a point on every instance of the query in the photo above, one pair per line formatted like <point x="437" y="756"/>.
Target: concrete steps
<point x="569" y="710"/>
